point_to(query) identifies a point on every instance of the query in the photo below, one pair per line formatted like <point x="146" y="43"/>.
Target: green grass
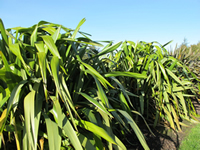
<point x="192" y="141"/>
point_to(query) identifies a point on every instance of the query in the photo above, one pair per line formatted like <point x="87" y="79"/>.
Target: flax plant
<point x="165" y="95"/>
<point x="189" y="57"/>
<point x="58" y="91"/>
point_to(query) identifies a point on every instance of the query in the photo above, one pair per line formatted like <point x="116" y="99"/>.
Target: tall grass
<point x="58" y="92"/>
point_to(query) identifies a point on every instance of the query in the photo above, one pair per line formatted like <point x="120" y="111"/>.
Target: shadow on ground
<point x="164" y="139"/>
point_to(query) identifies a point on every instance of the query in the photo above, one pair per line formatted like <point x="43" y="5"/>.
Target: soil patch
<point x="164" y="139"/>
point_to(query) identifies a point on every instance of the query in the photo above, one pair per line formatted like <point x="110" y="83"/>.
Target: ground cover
<point x="192" y="140"/>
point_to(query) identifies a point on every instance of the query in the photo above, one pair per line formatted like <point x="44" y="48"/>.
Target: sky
<point x="116" y="20"/>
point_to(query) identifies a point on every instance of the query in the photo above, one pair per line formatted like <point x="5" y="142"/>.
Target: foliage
<point x="189" y="56"/>
<point x="164" y="94"/>
<point x="58" y="92"/>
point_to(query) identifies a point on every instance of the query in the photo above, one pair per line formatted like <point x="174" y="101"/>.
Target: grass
<point x="192" y="141"/>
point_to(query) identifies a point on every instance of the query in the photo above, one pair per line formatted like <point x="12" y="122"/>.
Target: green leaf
<point x="3" y="32"/>
<point x="96" y="129"/>
<point x="68" y="129"/>
<point x="95" y="102"/>
<point x="78" y="28"/>
<point x="120" y="145"/>
<point x="49" y="29"/>
<point x="142" y="102"/>
<point x="54" y="137"/>
<point x="6" y="65"/>
<point x="3" y="100"/>
<point x="183" y="103"/>
<point x="125" y="49"/>
<point x="65" y="124"/>
<point x="178" y="89"/>
<point x="32" y="111"/>
<point x="29" y="119"/>
<point x="123" y="89"/>
<point x="15" y="49"/>
<point x="174" y="76"/>
<point x="127" y="74"/>
<point x="175" y="116"/>
<point x="7" y="75"/>
<point x="102" y="95"/>
<point x="167" y="43"/>
<point x="55" y="73"/>
<point x="92" y="71"/>
<point x="50" y="44"/>
<point x="43" y="66"/>
<point x="56" y="34"/>
<point x="124" y="103"/>
<point x="34" y="36"/>
<point x="143" y="120"/>
<point x="3" y="117"/>
<point x="165" y="75"/>
<point x="135" y="128"/>
<point x="14" y="96"/>
<point x="166" y="98"/>
<point x="74" y="35"/>
<point x="13" y="101"/>
<point x="169" y="116"/>
<point x="173" y="65"/>
<point x="87" y="142"/>
<point x="109" y="49"/>
<point x="40" y="46"/>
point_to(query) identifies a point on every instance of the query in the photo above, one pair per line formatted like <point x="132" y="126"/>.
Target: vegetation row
<point x="58" y="91"/>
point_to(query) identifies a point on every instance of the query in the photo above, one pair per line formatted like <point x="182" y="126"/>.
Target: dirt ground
<point x="164" y="139"/>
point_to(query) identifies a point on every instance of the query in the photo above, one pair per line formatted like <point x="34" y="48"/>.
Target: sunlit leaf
<point x="127" y="74"/>
<point x="50" y="44"/>
<point x="135" y="128"/>
<point x="95" y="102"/>
<point x="54" y="137"/>
<point x="95" y="129"/>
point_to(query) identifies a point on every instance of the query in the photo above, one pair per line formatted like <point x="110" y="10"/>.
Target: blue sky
<point x="117" y="20"/>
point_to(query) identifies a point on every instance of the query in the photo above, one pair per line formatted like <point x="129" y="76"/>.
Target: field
<point x="59" y="91"/>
